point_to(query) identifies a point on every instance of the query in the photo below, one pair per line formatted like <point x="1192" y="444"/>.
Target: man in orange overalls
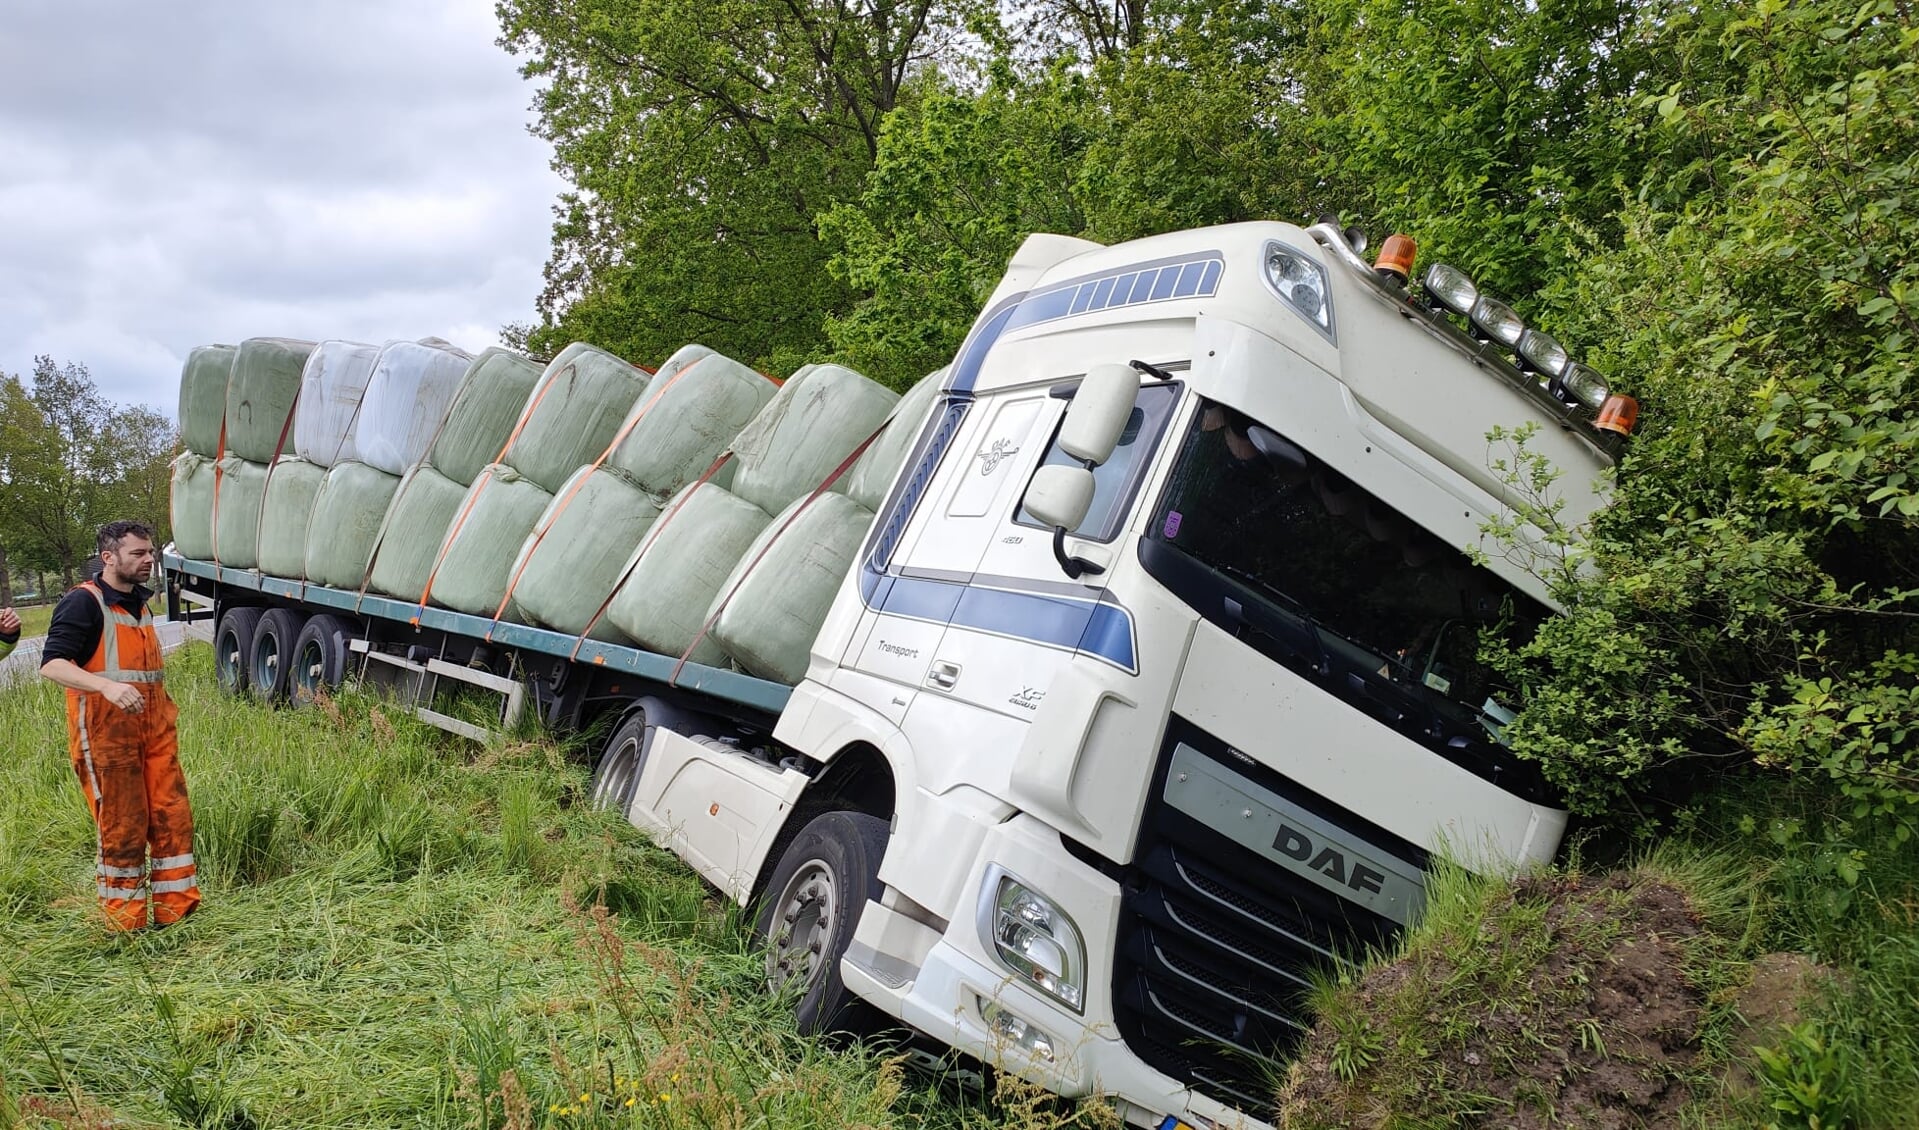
<point x="103" y="648"/>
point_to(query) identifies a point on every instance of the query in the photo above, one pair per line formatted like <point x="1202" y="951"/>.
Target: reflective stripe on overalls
<point x="129" y="769"/>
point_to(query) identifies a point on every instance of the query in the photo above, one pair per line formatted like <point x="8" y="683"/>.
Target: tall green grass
<point x="400" y="929"/>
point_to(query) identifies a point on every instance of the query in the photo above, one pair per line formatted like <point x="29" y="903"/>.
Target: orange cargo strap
<point x="652" y="536"/>
<point x="579" y="482"/>
<point x="826" y="484"/>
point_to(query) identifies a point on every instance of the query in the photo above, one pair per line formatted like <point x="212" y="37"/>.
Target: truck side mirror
<point x="1097" y="417"/>
<point x="1060" y="495"/>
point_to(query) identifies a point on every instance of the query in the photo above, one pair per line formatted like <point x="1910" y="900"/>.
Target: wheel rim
<point x="802" y="931"/>
<point x="622" y="766"/>
<point x="309" y="671"/>
<point x="230" y="667"/>
<point x="266" y="663"/>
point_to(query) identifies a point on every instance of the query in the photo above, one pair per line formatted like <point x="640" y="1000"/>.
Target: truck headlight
<point x="1301" y="282"/>
<point x="1543" y="352"/>
<point x="1034" y="938"/>
<point x="1585" y="385"/>
<point x="1451" y="288"/>
<point x="1497" y="320"/>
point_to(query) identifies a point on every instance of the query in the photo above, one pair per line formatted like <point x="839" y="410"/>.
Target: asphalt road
<point x="25" y="660"/>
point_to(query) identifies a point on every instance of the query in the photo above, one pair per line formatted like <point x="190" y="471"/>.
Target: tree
<point x="701" y="140"/>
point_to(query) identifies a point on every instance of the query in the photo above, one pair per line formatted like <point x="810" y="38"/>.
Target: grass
<point x="400" y="929"/>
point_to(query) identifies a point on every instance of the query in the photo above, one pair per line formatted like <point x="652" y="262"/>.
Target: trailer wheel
<point x="822" y="884"/>
<point x="233" y="648"/>
<point x="272" y="654"/>
<point x="319" y="658"/>
<point x="618" y="772"/>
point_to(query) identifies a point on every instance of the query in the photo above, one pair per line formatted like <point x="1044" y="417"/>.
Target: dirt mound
<point x="1562" y="1002"/>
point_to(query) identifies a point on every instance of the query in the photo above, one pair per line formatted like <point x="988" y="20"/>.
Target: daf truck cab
<point x="1156" y="683"/>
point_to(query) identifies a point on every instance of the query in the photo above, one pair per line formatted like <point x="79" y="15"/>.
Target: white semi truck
<point x="1154" y="686"/>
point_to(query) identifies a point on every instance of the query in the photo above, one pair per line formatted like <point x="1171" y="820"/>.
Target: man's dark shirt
<point x="75" y="631"/>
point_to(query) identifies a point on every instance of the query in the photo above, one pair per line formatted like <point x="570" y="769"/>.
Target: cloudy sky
<point x="173" y="174"/>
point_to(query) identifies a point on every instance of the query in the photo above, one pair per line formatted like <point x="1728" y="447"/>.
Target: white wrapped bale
<point x="346" y="520"/>
<point x="476" y="559"/>
<point x="869" y="480"/>
<point x="203" y="398"/>
<point x="423" y="509"/>
<point x="292" y="487"/>
<point x="239" y="489"/>
<point x="679" y="569"/>
<point x="570" y="563"/>
<point x="190" y="505"/>
<point x="582" y="398"/>
<point x="412" y="386"/>
<point x="331" y="385"/>
<point x="492" y="396"/>
<point x="784" y="584"/>
<point x="261" y="395"/>
<point x="815" y="421"/>
<point x="686" y="419"/>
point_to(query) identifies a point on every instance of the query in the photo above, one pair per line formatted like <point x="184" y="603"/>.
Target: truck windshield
<point x="1305" y="565"/>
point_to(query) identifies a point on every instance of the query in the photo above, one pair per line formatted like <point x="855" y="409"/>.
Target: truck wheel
<point x="822" y="884"/>
<point x="272" y="654"/>
<point x="233" y="648"/>
<point x="618" y="772"/>
<point x="319" y="658"/>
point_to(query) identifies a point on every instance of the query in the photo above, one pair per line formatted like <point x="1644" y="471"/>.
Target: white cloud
<point x="175" y="174"/>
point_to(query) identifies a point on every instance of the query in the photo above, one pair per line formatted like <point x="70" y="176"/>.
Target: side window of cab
<point x="1116" y="481"/>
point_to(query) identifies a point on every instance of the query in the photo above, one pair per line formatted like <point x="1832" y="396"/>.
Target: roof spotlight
<point x="1543" y="352"/>
<point x="1451" y="288"/>
<point x="1584" y="385"/>
<point x="1497" y="320"/>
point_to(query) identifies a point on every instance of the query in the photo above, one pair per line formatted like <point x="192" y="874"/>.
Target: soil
<point x="1773" y="998"/>
<point x="1600" y="1031"/>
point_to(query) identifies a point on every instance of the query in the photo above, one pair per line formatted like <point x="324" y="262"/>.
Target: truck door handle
<point x="944" y="675"/>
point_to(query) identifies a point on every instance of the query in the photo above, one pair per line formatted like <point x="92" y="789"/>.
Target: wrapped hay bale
<point x="261" y="395"/>
<point x="573" y="558"/>
<point x="292" y="487"/>
<point x="346" y="520"/>
<point x="573" y="414"/>
<point x="687" y="418"/>
<point x="815" y="421"/>
<point x="423" y="508"/>
<point x="492" y="396"/>
<point x="784" y="584"/>
<point x="331" y="385"/>
<point x="412" y="386"/>
<point x="679" y="568"/>
<point x="869" y="480"/>
<point x="203" y="398"/>
<point x="190" y="505"/>
<point x="476" y="560"/>
<point x="239" y="489"/>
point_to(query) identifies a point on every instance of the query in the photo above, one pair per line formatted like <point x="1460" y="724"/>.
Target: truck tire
<point x="618" y="771"/>
<point x="319" y="658"/>
<point x="271" y="661"/>
<point x="233" y="648"/>
<point x="823" y="882"/>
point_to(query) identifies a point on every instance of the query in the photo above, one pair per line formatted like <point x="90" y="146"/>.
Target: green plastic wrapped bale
<point x="346" y="521"/>
<point x="415" y="525"/>
<point x="492" y="396"/>
<point x="780" y="599"/>
<point x="686" y="420"/>
<point x="203" y="397"/>
<point x="569" y="565"/>
<point x="870" y="479"/>
<point x="291" y="490"/>
<point x="476" y="561"/>
<point x="815" y="421"/>
<point x="261" y="395"/>
<point x="581" y="400"/>
<point x="190" y="505"/>
<point x="237" y="494"/>
<point x="680" y="567"/>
